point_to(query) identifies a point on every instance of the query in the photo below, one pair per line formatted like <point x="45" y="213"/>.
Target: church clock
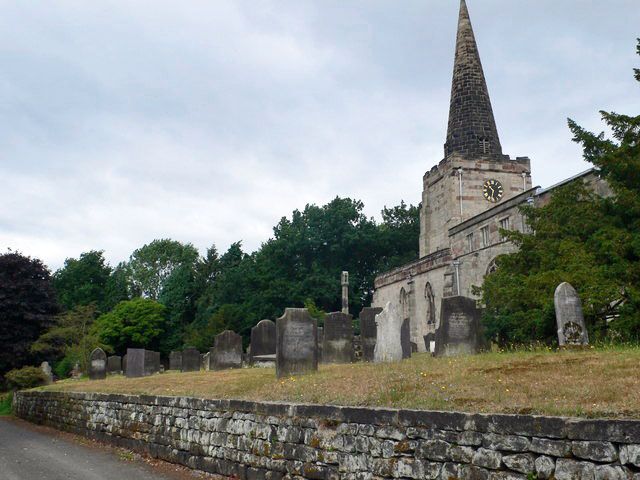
<point x="492" y="191"/>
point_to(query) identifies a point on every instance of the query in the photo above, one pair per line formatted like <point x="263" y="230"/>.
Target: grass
<point x="6" y="399"/>
<point x="602" y="382"/>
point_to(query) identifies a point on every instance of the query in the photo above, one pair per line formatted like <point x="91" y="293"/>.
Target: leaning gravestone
<point x="569" y="318"/>
<point x="368" y="331"/>
<point x="226" y="352"/>
<point x="389" y="335"/>
<point x="337" y="339"/>
<point x="46" y="369"/>
<point x="98" y="365"/>
<point x="263" y="340"/>
<point x="175" y="360"/>
<point x="114" y="364"/>
<point x="191" y="360"/>
<point x="296" y="343"/>
<point x="460" y="332"/>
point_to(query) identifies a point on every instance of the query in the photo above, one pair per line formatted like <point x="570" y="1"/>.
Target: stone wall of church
<point x="441" y="194"/>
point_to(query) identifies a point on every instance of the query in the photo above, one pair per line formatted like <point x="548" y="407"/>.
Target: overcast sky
<point x="207" y="121"/>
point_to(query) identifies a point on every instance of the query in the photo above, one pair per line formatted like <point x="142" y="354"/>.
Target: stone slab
<point x="263" y="339"/>
<point x="227" y="351"/>
<point x="460" y="331"/>
<point x="368" y="331"/>
<point x="296" y="343"/>
<point x="191" y="360"/>
<point x="337" y="341"/>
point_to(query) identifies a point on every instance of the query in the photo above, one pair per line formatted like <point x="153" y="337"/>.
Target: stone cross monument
<point x="345" y="292"/>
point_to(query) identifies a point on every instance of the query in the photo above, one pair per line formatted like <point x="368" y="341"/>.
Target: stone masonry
<point x="253" y="440"/>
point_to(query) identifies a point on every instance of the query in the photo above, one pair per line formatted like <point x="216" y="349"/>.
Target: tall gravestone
<point x="368" y="331"/>
<point x="572" y="330"/>
<point x="337" y="341"/>
<point x="263" y="340"/>
<point x="405" y="339"/>
<point x="296" y="343"/>
<point x="191" y="360"/>
<point x="151" y="362"/>
<point x="98" y="365"/>
<point x="135" y="362"/>
<point x="460" y="331"/>
<point x="114" y="364"/>
<point x="389" y="326"/>
<point x="227" y="351"/>
<point x="175" y="360"/>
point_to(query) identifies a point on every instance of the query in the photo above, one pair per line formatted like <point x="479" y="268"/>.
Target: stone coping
<point x="571" y="428"/>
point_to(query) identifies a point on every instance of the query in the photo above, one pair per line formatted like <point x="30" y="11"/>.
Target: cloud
<point x="207" y="122"/>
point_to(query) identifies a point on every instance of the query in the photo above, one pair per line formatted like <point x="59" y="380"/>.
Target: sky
<point x="208" y="121"/>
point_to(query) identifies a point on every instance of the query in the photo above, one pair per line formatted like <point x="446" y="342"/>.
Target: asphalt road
<point x="29" y="452"/>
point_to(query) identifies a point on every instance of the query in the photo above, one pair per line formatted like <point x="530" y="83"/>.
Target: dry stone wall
<point x="272" y="441"/>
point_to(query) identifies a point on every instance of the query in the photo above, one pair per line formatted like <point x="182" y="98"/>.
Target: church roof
<point x="472" y="131"/>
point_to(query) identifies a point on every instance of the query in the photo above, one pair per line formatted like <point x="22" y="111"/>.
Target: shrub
<point x="25" y="377"/>
<point x="6" y="401"/>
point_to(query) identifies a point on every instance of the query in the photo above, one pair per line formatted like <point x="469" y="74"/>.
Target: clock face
<point x="492" y="191"/>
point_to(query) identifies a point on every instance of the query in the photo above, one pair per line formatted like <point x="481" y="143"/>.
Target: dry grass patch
<point x="592" y="383"/>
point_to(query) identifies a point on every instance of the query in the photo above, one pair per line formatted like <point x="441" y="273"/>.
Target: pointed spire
<point x="472" y="129"/>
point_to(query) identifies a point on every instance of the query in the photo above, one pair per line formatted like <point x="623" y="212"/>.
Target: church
<point x="467" y="198"/>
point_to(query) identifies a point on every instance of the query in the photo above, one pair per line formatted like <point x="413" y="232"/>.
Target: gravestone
<point x="389" y="333"/>
<point x="46" y="369"/>
<point x="98" y="364"/>
<point x="151" y="362"/>
<point x="405" y="339"/>
<point x="227" y="351"/>
<point x="296" y="343"/>
<point x="114" y="364"/>
<point x="175" y="360"/>
<point x="368" y="331"/>
<point x="263" y="340"/>
<point x="135" y="362"/>
<point x="76" y="373"/>
<point x="430" y="342"/>
<point x="572" y="330"/>
<point x="337" y="341"/>
<point x="460" y="332"/>
<point x="191" y="360"/>
<point x="206" y="364"/>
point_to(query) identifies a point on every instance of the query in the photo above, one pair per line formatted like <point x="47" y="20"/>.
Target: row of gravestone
<point x="293" y="343"/>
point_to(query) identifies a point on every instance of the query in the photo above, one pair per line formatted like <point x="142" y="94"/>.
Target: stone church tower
<point x="468" y="196"/>
<point x="455" y="190"/>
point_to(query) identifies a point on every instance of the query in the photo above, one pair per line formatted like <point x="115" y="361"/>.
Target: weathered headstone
<point x="76" y="373"/>
<point x="368" y="331"/>
<point x="460" y="332"/>
<point x="389" y="328"/>
<point x="114" y="364"/>
<point x="227" y="351"/>
<point x="263" y="340"/>
<point x="337" y="341"/>
<point x="296" y="343"/>
<point x="572" y="330"/>
<point x="98" y="364"/>
<point x="191" y="360"/>
<point x="405" y="339"/>
<point x="175" y="360"/>
<point x="46" y="369"/>
<point x="151" y="362"/>
<point x="135" y="362"/>
<point x="430" y="342"/>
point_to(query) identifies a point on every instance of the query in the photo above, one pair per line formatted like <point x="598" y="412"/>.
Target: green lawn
<point x="598" y="382"/>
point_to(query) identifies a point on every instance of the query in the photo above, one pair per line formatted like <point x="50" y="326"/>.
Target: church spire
<point x="472" y="129"/>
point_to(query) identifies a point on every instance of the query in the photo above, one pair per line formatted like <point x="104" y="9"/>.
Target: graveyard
<point x="597" y="382"/>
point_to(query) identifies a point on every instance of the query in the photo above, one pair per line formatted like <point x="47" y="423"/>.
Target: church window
<point x="470" y="242"/>
<point x="492" y="266"/>
<point x="504" y="225"/>
<point x="485" y="236"/>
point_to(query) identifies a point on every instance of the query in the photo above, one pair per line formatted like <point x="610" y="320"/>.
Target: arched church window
<point x="431" y="304"/>
<point x="493" y="266"/>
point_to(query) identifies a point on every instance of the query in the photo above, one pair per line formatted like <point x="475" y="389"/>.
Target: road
<point x="29" y="452"/>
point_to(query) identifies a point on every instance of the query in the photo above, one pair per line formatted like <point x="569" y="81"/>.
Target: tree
<point x="70" y="338"/>
<point x="119" y="287"/>
<point x="137" y="323"/>
<point x="27" y="307"/>
<point x="82" y="281"/>
<point x="579" y="237"/>
<point x="152" y="264"/>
